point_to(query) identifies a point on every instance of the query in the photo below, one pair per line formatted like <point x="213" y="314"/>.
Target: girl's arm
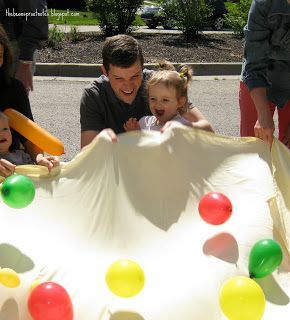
<point x="197" y="119"/>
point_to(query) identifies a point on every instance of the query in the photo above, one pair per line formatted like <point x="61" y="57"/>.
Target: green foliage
<point x="138" y="21"/>
<point x="190" y="16"/>
<point x="74" y="33"/>
<point x="55" y="37"/>
<point x="116" y="16"/>
<point x="237" y="16"/>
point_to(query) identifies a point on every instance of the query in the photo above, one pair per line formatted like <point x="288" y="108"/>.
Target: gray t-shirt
<point x="17" y="157"/>
<point x="101" y="109"/>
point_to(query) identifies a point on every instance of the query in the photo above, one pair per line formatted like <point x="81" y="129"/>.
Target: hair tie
<point x="181" y="74"/>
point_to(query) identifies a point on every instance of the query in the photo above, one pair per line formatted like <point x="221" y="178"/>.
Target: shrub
<point x="237" y="16"/>
<point x="191" y="16"/>
<point x="116" y="16"/>
<point x="74" y="35"/>
<point x="55" y="37"/>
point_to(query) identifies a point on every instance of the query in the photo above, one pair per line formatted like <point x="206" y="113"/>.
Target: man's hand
<point x="6" y="168"/>
<point x="131" y="125"/>
<point x="88" y="136"/>
<point x="264" y="128"/>
<point x="110" y="134"/>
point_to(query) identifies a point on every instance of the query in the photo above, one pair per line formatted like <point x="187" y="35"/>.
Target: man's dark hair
<point x="121" y="51"/>
<point x="7" y="58"/>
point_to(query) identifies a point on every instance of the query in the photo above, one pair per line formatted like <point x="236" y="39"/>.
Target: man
<point x="265" y="79"/>
<point x="119" y="94"/>
<point x="26" y="23"/>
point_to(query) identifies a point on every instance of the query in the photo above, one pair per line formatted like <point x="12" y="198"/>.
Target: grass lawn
<point x="77" y="18"/>
<point x="71" y="17"/>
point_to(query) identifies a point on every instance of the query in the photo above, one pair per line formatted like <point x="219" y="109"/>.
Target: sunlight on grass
<point x="77" y="18"/>
<point x="71" y="17"/>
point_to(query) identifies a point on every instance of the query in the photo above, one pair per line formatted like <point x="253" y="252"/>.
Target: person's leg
<point x="284" y="120"/>
<point x="248" y="113"/>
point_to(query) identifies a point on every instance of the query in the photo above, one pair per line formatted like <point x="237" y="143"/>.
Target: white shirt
<point x="150" y="122"/>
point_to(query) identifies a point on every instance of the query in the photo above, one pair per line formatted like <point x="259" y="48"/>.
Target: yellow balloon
<point x="242" y="298"/>
<point x="9" y="278"/>
<point x="125" y="278"/>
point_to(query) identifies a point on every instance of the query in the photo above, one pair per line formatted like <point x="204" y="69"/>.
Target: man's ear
<point x="104" y="70"/>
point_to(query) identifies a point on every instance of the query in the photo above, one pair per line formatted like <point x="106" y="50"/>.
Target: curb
<point x="94" y="70"/>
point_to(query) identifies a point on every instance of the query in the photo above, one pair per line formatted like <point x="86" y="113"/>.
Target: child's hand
<point x="49" y="161"/>
<point x="131" y="125"/>
<point x="6" y="168"/>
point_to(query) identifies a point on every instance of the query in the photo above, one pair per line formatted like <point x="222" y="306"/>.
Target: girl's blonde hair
<point x="171" y="78"/>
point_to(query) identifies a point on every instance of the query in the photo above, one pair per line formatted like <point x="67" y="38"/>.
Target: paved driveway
<point x="55" y="105"/>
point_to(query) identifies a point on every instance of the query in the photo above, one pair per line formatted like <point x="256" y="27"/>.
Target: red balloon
<point x="215" y="208"/>
<point x="50" y="301"/>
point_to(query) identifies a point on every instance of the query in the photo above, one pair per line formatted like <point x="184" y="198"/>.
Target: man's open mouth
<point x="127" y="92"/>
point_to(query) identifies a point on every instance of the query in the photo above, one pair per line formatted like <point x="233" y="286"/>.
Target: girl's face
<point x="5" y="136"/>
<point x="1" y="55"/>
<point x="163" y="102"/>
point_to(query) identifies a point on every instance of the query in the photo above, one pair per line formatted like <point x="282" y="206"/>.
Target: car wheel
<point x="168" y="25"/>
<point x="152" y="25"/>
<point x="218" y="24"/>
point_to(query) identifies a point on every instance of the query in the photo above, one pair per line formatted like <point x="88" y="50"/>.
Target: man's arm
<point x="264" y="127"/>
<point x="257" y="56"/>
<point x="87" y="137"/>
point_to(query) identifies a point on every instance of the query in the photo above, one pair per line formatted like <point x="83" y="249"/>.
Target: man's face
<point x="125" y="82"/>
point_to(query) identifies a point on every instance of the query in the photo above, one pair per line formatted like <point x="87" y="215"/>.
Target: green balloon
<point x="17" y="191"/>
<point x="265" y="256"/>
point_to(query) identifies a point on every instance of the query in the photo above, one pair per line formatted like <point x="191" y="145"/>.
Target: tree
<point x="237" y="16"/>
<point x="190" y="16"/>
<point x="116" y="16"/>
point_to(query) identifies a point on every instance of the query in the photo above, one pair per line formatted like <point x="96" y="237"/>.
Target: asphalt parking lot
<point x="55" y="105"/>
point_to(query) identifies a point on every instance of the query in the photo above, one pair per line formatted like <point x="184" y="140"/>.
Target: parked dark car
<point x="154" y="16"/>
<point x="217" y="18"/>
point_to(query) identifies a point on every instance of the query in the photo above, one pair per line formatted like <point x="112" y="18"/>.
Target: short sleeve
<point x="91" y="115"/>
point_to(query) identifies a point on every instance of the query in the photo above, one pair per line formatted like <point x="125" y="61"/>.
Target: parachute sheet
<point x="138" y="199"/>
